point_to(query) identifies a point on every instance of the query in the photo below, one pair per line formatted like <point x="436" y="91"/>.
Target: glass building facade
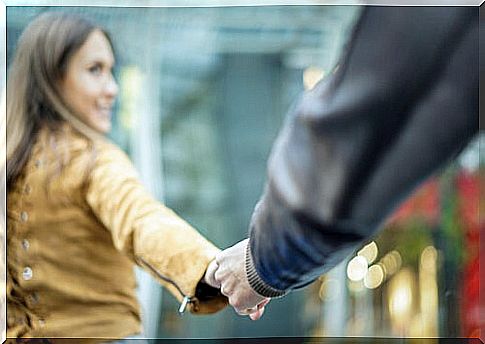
<point x="203" y="93"/>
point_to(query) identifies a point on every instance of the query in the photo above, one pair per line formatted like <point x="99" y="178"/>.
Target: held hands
<point x="227" y="271"/>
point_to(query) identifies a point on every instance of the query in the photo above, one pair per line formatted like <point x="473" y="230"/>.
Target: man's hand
<point x="228" y="272"/>
<point x="231" y="275"/>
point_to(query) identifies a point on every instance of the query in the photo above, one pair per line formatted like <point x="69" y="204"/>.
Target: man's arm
<point x="402" y="102"/>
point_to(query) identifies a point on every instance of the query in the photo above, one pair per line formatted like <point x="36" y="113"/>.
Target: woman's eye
<point x="95" y="69"/>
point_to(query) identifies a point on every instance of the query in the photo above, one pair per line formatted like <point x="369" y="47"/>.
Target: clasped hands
<point x="227" y="272"/>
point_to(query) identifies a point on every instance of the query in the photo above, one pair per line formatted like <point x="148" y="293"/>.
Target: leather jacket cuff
<point x="258" y="285"/>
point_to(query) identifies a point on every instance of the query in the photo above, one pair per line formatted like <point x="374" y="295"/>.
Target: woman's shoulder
<point x="109" y="152"/>
<point x="110" y="165"/>
<point x="108" y="157"/>
<point x="78" y="145"/>
<point x="76" y="150"/>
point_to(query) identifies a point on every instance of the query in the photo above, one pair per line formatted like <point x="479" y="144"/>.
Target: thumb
<point x="209" y="277"/>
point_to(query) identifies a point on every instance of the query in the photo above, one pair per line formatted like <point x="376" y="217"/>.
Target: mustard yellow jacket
<point x="74" y="234"/>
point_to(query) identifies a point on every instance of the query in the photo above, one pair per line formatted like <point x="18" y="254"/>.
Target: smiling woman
<point x="89" y="86"/>
<point x="78" y="217"/>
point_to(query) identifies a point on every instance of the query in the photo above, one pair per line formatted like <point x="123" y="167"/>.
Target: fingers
<point x="254" y="312"/>
<point x="247" y="311"/>
<point x="257" y="315"/>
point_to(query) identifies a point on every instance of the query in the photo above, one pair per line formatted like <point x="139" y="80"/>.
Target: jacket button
<point x="27" y="273"/>
<point x="24" y="216"/>
<point x="25" y="244"/>
<point x="37" y="163"/>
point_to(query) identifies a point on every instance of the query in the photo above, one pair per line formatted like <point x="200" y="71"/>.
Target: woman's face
<point x="88" y="86"/>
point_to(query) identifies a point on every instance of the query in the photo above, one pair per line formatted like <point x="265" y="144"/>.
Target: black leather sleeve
<point x="402" y="102"/>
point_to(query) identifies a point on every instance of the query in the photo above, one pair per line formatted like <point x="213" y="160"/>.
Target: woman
<point x="78" y="217"/>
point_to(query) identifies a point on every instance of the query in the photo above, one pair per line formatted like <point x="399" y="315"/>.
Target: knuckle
<point x="218" y="275"/>
<point x="226" y="291"/>
<point x="219" y="257"/>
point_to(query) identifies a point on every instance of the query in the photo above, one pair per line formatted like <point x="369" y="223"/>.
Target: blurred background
<point x="203" y="92"/>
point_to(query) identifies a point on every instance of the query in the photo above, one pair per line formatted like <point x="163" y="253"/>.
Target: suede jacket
<point x="78" y="219"/>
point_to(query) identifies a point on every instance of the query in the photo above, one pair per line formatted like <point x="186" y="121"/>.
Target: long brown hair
<point x="33" y="95"/>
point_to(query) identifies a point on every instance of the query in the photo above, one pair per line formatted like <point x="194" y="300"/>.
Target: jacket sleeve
<point x="154" y="236"/>
<point x="403" y="100"/>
